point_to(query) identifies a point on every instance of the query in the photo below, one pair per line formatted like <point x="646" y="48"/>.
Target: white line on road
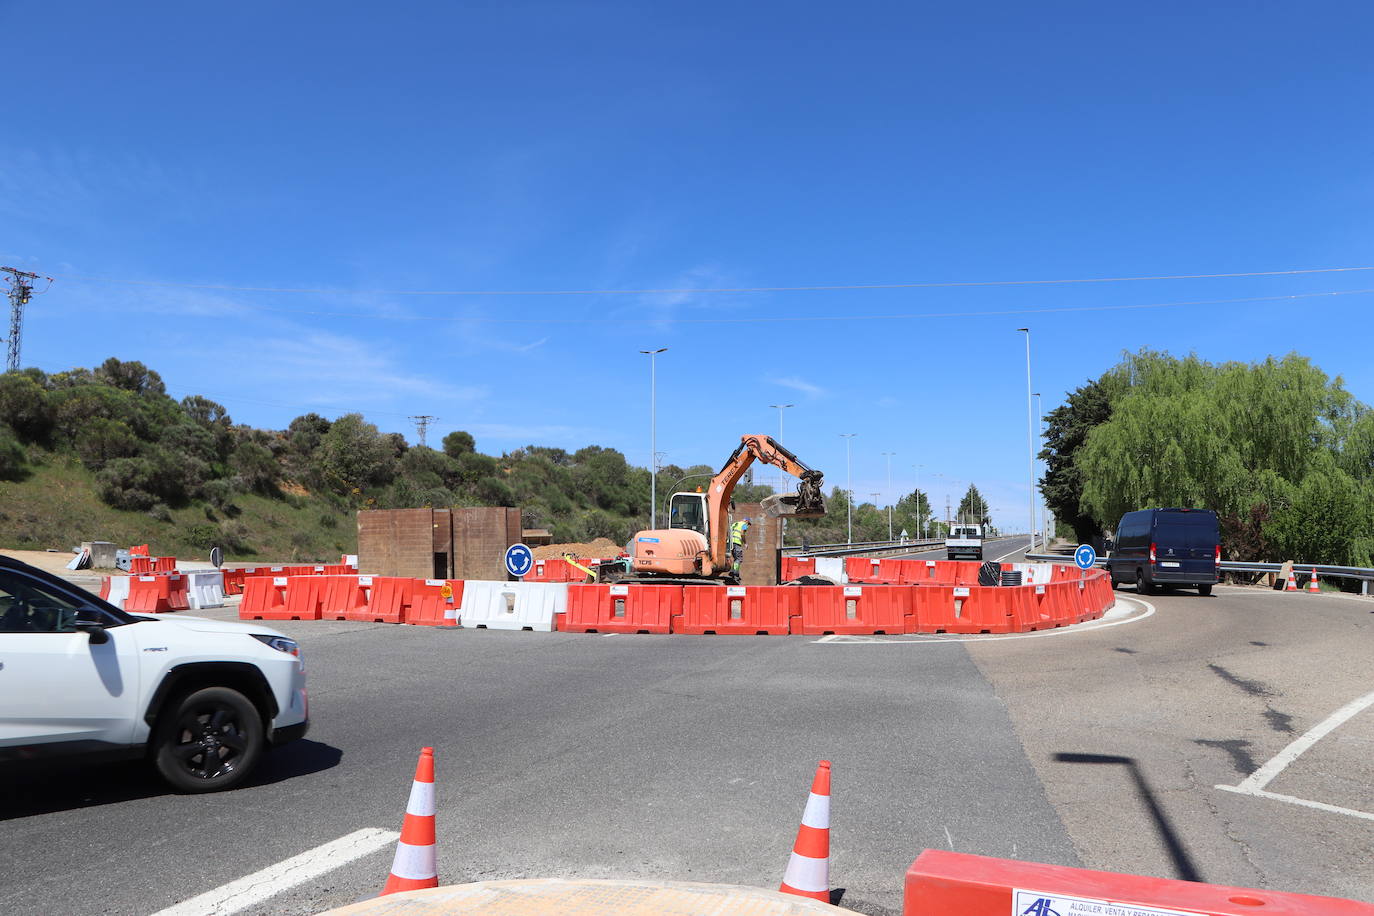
<point x="262" y="885"/>
<point x="1005" y="555"/>
<point x="1254" y="783"/>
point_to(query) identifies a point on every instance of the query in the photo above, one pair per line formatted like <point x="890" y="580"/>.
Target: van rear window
<point x="1202" y="533"/>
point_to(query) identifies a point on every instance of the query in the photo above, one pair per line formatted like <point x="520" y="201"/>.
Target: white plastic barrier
<point x="119" y="591"/>
<point x="205" y="588"/>
<point x="513" y="605"/>
<point x="832" y="568"/>
<point x="1034" y="573"/>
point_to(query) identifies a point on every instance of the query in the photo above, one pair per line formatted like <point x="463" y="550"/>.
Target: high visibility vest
<point x="737" y="533"/>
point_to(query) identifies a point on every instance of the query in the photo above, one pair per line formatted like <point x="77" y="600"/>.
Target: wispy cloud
<point x="799" y="384"/>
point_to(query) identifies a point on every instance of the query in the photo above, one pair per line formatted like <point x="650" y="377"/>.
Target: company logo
<point x="1041" y="907"/>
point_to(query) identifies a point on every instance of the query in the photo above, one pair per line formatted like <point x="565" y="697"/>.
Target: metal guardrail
<point x="872" y="547"/>
<point x="1361" y="573"/>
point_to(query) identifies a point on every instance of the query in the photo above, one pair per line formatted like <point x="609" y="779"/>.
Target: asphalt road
<point x="690" y="757"/>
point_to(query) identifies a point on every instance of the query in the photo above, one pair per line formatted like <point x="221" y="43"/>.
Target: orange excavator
<point x="695" y="547"/>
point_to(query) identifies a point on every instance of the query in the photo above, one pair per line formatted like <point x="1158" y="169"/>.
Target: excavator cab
<point x="688" y="510"/>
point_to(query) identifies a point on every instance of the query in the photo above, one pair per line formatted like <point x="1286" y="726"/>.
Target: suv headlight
<point x="280" y="643"/>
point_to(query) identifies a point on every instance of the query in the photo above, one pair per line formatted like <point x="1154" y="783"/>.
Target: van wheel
<point x="1141" y="586"/>
<point x="208" y="740"/>
<point x="1204" y="590"/>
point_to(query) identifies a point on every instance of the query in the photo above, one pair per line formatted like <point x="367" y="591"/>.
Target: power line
<point x="785" y="319"/>
<point x="846" y="287"/>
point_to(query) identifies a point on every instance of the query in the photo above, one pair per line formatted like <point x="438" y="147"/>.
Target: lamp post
<point x="782" y="477"/>
<point x="920" y="519"/>
<point x="849" y="486"/>
<point x="1030" y="449"/>
<point x="888" y="456"/>
<point x="1040" y="436"/>
<point x="653" y="434"/>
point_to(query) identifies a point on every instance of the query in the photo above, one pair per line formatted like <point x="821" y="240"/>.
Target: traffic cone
<point x="414" y="866"/>
<point x="1313" y="585"/>
<point x="808" y="870"/>
<point x="1292" y="585"/>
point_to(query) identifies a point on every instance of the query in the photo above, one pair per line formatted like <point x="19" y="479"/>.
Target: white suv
<point x="201" y="698"/>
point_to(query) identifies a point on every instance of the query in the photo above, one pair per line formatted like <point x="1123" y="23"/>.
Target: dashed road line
<point x="253" y="889"/>
<point x="1254" y="783"/>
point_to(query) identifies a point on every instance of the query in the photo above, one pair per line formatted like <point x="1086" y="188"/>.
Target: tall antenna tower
<point x="422" y="424"/>
<point x="21" y="291"/>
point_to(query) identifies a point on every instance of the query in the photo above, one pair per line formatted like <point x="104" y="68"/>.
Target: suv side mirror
<point x="96" y="631"/>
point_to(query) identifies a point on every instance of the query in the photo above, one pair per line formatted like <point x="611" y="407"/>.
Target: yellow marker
<point x="446" y="592"/>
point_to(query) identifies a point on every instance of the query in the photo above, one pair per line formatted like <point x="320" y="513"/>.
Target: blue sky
<point x="520" y="146"/>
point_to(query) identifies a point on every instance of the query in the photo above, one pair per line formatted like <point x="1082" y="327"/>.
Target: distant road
<point x="1006" y="550"/>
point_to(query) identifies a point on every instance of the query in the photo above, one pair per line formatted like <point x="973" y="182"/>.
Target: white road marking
<point x="1115" y="616"/>
<point x="950" y="838"/>
<point x="1005" y="555"/>
<point x="1254" y="783"/>
<point x="253" y="889"/>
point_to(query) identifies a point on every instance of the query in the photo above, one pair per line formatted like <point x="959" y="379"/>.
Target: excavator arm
<point x="807" y="502"/>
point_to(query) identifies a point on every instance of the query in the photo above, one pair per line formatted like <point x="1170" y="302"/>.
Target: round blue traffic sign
<point x="519" y="560"/>
<point x="1085" y="556"/>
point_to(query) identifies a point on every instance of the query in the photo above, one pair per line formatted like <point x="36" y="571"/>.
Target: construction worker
<point x="737" y="535"/>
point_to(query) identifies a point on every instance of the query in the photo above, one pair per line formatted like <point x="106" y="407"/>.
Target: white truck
<point x="964" y="541"/>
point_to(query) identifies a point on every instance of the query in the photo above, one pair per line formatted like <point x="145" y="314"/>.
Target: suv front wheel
<point x="208" y="740"/>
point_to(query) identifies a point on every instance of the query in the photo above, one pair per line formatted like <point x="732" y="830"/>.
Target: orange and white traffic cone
<point x="1292" y="585"/>
<point x="415" y="865"/>
<point x="808" y="870"/>
<point x="1314" y="585"/>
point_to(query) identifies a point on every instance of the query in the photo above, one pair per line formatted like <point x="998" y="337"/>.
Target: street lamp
<point x="1030" y="448"/>
<point x="782" y="476"/>
<point x="920" y="519"/>
<point x="849" y="486"/>
<point x="653" y="434"/>
<point x="888" y="456"/>
<point x="1040" y="423"/>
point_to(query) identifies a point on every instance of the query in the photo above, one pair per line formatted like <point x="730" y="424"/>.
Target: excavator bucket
<point x="807" y="502"/>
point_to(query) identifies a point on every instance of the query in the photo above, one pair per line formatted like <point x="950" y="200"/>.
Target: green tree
<point x="354" y="455"/>
<point x="973" y="507"/>
<point x="458" y="443"/>
<point x="1066" y="430"/>
<point x="24" y="407"/>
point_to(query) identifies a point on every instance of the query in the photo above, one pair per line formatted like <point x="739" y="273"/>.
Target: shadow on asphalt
<point x="45" y="787"/>
<point x="1184" y="866"/>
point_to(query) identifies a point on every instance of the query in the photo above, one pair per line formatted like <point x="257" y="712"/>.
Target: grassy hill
<point x="57" y="506"/>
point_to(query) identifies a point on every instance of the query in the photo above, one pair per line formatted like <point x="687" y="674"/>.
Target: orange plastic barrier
<point x="233" y="581"/>
<point x="622" y="608"/>
<point x="557" y="569"/>
<point x="429" y="607"/>
<point x="939" y="883"/>
<point x="345" y="597"/>
<point x="387" y="599"/>
<point x="164" y="564"/>
<point x="304" y="597"/>
<point x="796" y="567"/>
<point x="264" y="598"/>
<point x="854" y="609"/>
<point x="140" y="566"/>
<point x="871" y="570"/>
<point x="746" y="610"/>
<point x="138" y="550"/>
<point x="964" y="609"/>
<point x="157" y="594"/>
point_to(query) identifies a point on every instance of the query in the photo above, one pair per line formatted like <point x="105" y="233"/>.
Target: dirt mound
<point x="599" y="548"/>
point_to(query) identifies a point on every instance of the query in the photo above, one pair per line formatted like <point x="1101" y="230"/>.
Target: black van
<point x="1166" y="547"/>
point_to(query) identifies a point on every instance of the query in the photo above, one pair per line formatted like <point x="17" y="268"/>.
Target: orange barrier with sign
<point x="264" y="598"/>
<point x="233" y="581"/>
<point x="854" y="609"/>
<point x="435" y="602"/>
<point x="345" y="597"/>
<point x="623" y="608"/>
<point x="140" y="566"/>
<point x="939" y="883"/>
<point x="304" y="597"/>
<point x="387" y="599"/>
<point x="964" y="609"/>
<point x="740" y="610"/>
<point x="875" y="571"/>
